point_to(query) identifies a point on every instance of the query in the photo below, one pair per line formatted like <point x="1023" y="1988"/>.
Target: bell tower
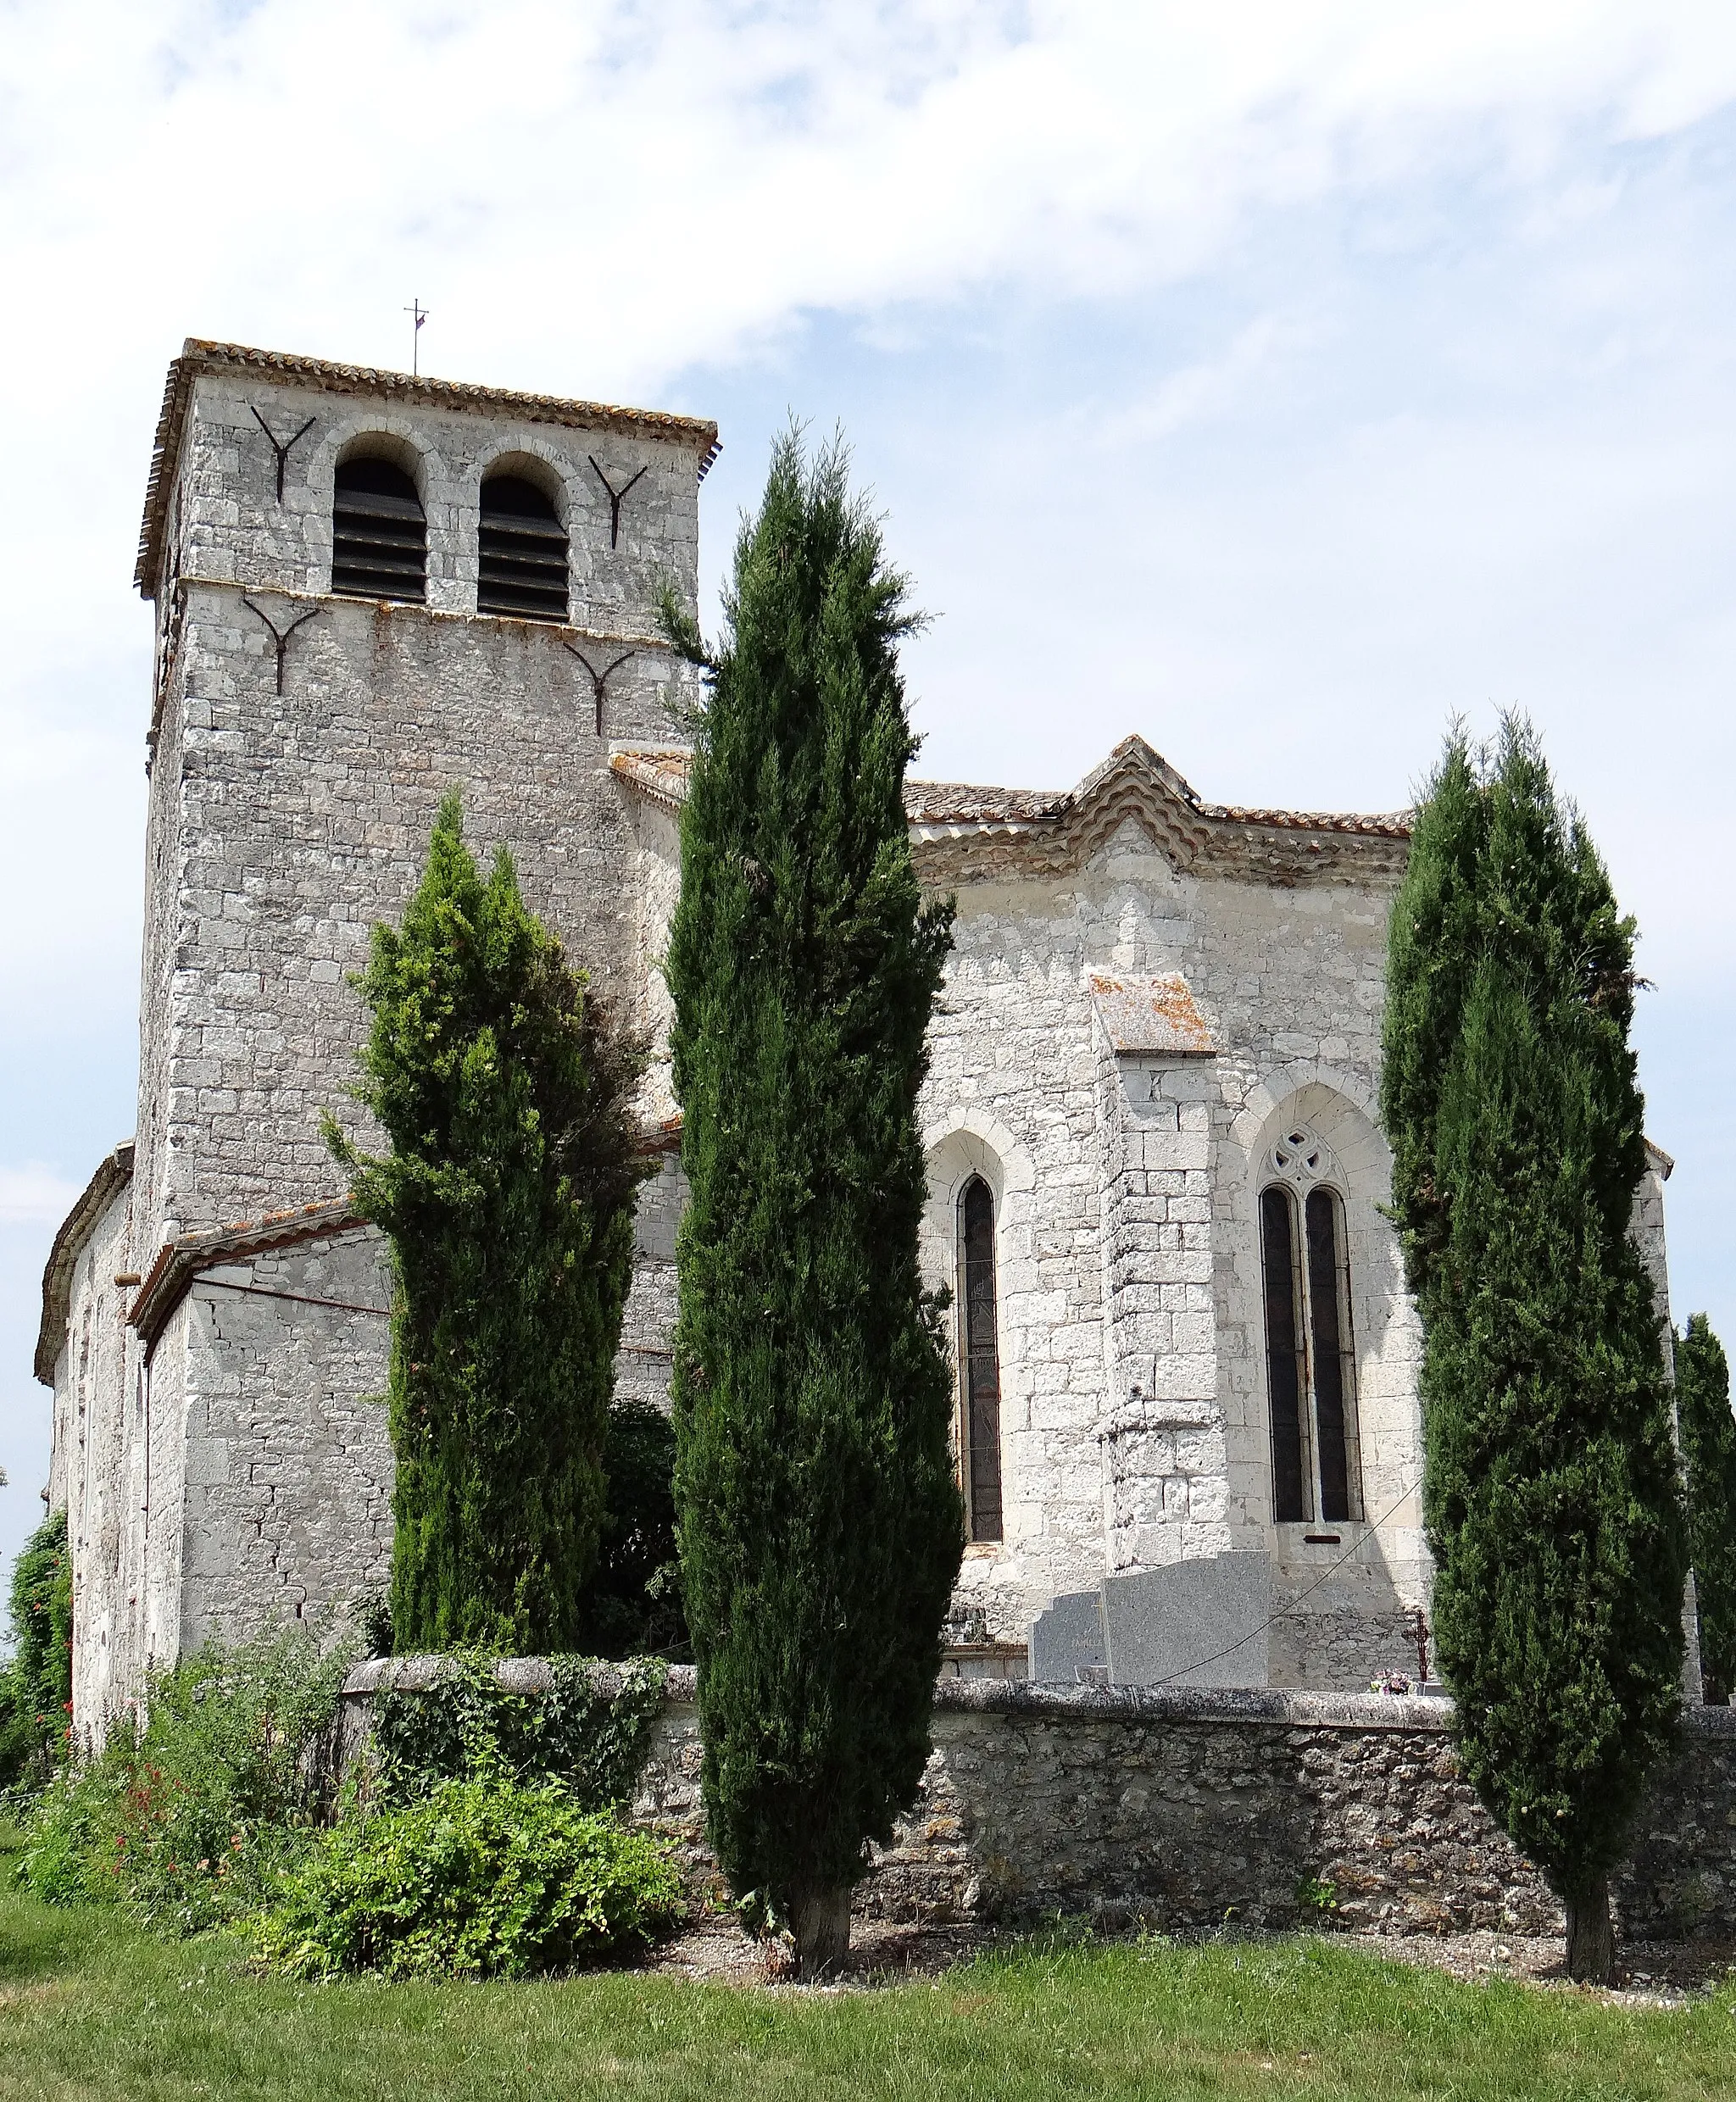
<point x="371" y="587"/>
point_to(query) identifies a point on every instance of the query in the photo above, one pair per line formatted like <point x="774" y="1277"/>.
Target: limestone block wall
<point x="1166" y="1473"/>
<point x="642" y="1367"/>
<point x="91" y="1478"/>
<point x="284" y="824"/>
<point x="1128" y="1246"/>
<point x="284" y="1467"/>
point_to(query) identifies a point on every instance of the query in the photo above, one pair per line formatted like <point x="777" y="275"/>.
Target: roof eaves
<point x="199" y="355"/>
<point x="179" y="1262"/>
<point x="114" y="1174"/>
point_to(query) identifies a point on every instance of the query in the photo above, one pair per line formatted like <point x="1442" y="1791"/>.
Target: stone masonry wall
<point x="1127" y="1236"/>
<point x="284" y="824"/>
<point x="1190" y="1808"/>
<point x="288" y="1458"/>
<point x="90" y="1477"/>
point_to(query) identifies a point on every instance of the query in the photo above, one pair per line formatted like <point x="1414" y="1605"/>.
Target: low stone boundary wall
<point x="1190" y="1808"/>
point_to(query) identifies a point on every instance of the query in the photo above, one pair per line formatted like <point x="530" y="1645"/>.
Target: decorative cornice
<point x="961" y="834"/>
<point x="198" y="356"/>
<point x="75" y="1230"/>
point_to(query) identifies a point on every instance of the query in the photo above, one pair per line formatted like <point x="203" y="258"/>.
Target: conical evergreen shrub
<point x="1552" y="1501"/>
<point x="507" y="1197"/>
<point x="1709" y="1448"/>
<point x="819" y="1524"/>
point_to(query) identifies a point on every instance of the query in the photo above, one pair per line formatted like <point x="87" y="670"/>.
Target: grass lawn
<point x="91" y="2007"/>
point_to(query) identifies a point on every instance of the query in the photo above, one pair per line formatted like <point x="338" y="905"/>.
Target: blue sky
<point x="1277" y="381"/>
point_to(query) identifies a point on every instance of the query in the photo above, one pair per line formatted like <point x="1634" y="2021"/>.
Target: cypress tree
<point x="1552" y="1498"/>
<point x="507" y="1197"/>
<point x="819" y="1525"/>
<point x="36" y="1688"/>
<point x="1709" y="1448"/>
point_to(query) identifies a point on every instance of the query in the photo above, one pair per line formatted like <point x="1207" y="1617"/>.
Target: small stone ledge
<point x="1290" y="1708"/>
<point x="1197" y="1703"/>
<point x="518" y="1675"/>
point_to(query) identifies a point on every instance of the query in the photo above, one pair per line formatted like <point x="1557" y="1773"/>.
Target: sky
<point x="1278" y="381"/>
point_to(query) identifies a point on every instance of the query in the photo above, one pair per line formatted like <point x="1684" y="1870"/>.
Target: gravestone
<point x="1067" y="1646"/>
<point x="1198" y="1623"/>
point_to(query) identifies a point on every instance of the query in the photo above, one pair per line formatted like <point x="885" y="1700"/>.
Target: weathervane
<point x="420" y="313"/>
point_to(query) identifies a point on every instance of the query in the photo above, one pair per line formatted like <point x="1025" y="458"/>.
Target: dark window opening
<point x="1311" y="1357"/>
<point x="1283" y="1354"/>
<point x="379" y="536"/>
<point x="523" y="549"/>
<point x="982" y="1362"/>
<point x="1328" y="1313"/>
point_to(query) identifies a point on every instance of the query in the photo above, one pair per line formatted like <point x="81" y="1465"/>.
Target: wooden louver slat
<point x="522" y="571"/>
<point x="379" y="536"/>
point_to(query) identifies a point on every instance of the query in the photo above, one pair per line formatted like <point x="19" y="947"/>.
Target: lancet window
<point x="1311" y="1356"/>
<point x="981" y="1357"/>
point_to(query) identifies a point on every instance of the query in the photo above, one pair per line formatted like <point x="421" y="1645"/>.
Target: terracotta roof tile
<point x="199" y="356"/>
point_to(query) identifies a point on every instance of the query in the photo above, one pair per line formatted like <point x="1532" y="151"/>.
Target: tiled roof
<point x="179" y="1262"/>
<point x="955" y="824"/>
<point x="198" y="356"/>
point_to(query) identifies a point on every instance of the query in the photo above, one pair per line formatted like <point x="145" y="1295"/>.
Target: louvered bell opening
<point x="378" y="536"/>
<point x="523" y="548"/>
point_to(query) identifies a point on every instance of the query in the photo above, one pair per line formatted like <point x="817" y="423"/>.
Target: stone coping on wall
<point x="1293" y="1708"/>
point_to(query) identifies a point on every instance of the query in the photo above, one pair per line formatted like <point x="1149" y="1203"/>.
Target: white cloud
<point x="35" y="1195"/>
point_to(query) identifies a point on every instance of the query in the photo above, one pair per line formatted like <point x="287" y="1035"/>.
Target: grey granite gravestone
<point x="1199" y="1623"/>
<point x="1067" y="1643"/>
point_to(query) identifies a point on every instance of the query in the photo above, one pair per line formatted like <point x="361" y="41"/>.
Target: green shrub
<point x="36" y="1688"/>
<point x="189" y="1819"/>
<point x="587" y="1731"/>
<point x="478" y="1879"/>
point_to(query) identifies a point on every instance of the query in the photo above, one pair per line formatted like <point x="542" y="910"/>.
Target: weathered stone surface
<point x="1190" y="1807"/>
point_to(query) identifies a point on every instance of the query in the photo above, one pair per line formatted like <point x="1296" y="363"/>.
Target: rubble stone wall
<point x="1192" y="1807"/>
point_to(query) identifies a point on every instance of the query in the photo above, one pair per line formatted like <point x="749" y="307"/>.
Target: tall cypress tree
<point x="507" y="1197"/>
<point x="1551" y="1496"/>
<point x="821" y="1526"/>
<point x="1709" y="1448"/>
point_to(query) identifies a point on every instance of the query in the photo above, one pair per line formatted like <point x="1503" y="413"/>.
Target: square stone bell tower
<point x="369" y="589"/>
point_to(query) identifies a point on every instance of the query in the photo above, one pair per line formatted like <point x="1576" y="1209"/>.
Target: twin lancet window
<point x="981" y="1356"/>
<point x="1311" y="1356"/>
<point x="380" y="542"/>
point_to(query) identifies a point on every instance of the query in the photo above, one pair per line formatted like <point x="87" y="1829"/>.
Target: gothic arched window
<point x="523" y="549"/>
<point x="1311" y="1357"/>
<point x="982" y="1361"/>
<point x="379" y="536"/>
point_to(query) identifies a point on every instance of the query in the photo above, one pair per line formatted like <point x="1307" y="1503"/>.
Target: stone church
<point x="1187" y="1425"/>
